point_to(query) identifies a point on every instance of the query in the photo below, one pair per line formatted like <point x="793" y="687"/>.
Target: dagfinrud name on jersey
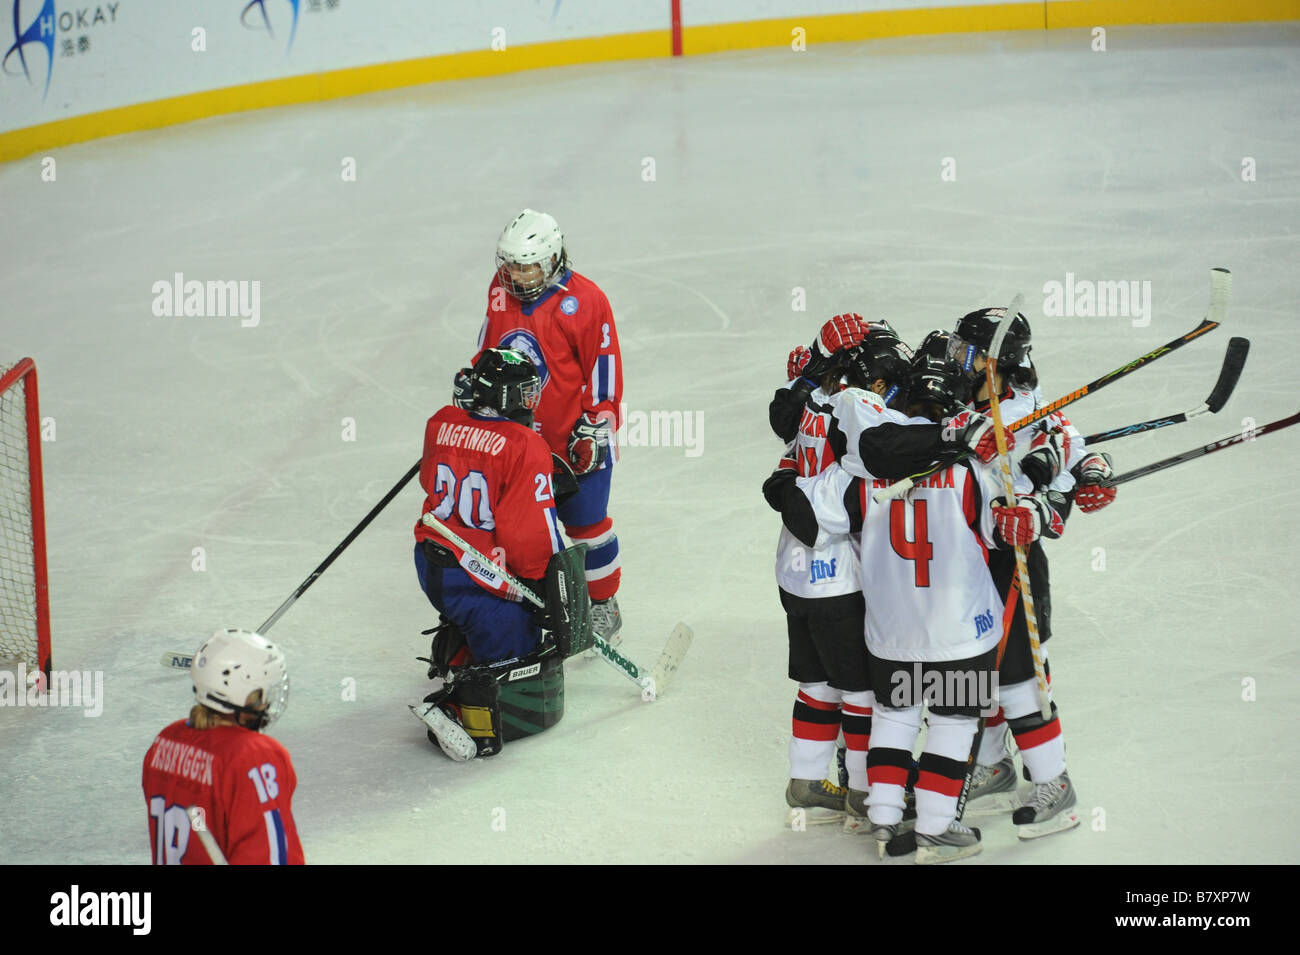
<point x="471" y="438"/>
<point x="102" y="908"/>
<point x="184" y="760"/>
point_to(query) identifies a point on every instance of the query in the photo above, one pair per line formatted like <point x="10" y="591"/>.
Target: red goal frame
<point x="27" y="369"/>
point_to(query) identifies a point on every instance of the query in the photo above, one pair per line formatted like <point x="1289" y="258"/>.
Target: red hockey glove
<point x="589" y="443"/>
<point x="839" y="334"/>
<point x="1032" y="517"/>
<point x="1048" y="453"/>
<point x="974" y="431"/>
<point x="1089" y="493"/>
<point x="797" y="362"/>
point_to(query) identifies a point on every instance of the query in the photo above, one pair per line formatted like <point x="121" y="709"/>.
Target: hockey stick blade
<point x="1248" y="434"/>
<point x="679" y="641"/>
<point x="902" y="486"/>
<point x="1234" y="360"/>
<point x="176" y="660"/>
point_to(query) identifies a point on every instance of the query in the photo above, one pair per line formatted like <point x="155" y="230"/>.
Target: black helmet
<point x="504" y="380"/>
<point x="882" y="355"/>
<point x="934" y="377"/>
<point x="974" y="334"/>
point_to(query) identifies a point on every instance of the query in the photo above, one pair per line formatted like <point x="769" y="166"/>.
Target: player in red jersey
<point x="561" y="320"/>
<point x="487" y="476"/>
<point x="219" y="761"/>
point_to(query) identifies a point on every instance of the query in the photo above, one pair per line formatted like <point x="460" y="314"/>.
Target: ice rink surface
<point x="1175" y="658"/>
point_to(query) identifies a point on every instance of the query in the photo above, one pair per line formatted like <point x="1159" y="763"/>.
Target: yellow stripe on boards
<point x="847" y="27"/>
<point x="1063" y="14"/>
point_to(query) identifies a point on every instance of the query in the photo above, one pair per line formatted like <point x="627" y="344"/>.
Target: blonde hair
<point x="205" y="718"/>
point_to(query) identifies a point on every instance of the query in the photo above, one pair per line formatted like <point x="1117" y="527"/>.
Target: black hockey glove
<point x="462" y="390"/>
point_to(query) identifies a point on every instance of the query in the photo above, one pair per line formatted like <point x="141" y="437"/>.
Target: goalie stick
<point x="652" y="682"/>
<point x="1234" y="360"/>
<point x="1246" y="434"/>
<point x="1220" y="283"/>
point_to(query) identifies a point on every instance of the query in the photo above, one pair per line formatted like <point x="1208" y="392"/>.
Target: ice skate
<point x="606" y="623"/>
<point x="855" y="812"/>
<point x="883" y="834"/>
<point x="813" y="802"/>
<point x="993" y="789"/>
<point x="1048" y="809"/>
<point x="957" y="842"/>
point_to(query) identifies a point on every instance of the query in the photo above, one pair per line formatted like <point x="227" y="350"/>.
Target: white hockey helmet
<point x="531" y="239"/>
<point x="238" y="671"/>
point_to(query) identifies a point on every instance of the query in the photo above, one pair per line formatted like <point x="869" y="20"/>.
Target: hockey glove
<point x="777" y="487"/>
<point x="1032" y="517"/>
<point x="589" y="443"/>
<point x="785" y="410"/>
<point x="838" y="335"/>
<point x="1048" y="453"/>
<point x="797" y="362"/>
<point x="974" y="432"/>
<point x="1089" y="474"/>
<point x="462" y="390"/>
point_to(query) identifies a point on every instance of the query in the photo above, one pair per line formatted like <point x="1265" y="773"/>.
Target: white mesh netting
<point x="18" y="632"/>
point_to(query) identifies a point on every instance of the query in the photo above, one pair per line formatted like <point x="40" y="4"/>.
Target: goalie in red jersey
<point x="218" y="760"/>
<point x="559" y="319"/>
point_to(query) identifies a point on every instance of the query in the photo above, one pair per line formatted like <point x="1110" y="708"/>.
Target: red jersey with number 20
<point x="243" y="782"/>
<point x="489" y="480"/>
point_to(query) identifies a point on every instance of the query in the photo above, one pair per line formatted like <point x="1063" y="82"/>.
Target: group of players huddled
<point x="927" y="577"/>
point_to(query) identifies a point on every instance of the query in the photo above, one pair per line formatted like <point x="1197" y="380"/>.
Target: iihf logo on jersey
<point x="983" y="623"/>
<point x="521" y="339"/>
<point x="823" y="571"/>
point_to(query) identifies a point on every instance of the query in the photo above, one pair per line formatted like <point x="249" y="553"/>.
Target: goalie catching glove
<point x="1090" y="475"/>
<point x="589" y="443"/>
<point x="1032" y="517"/>
<point x="974" y="432"/>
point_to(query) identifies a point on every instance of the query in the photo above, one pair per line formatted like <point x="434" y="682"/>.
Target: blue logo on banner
<point x="525" y="341"/>
<point x="266" y="20"/>
<point x="40" y="30"/>
<point x="569" y="305"/>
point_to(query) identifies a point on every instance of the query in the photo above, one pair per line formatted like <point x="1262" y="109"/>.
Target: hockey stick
<point x="1004" y="459"/>
<point x="1246" y="434"/>
<point x="181" y="661"/>
<point x="1220" y="282"/>
<point x="652" y="682"/>
<point x="199" y="826"/>
<point x="1233" y="362"/>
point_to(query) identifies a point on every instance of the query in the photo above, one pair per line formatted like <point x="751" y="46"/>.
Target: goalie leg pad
<point x="476" y="699"/>
<point x="532" y="701"/>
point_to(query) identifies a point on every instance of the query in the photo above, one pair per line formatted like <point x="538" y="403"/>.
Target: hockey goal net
<point x="24" y="588"/>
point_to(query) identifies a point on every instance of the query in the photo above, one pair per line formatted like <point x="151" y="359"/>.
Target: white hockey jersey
<point x="831" y="568"/>
<point x="924" y="559"/>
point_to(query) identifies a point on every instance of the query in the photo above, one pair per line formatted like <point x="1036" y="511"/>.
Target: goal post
<point x="24" y="584"/>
